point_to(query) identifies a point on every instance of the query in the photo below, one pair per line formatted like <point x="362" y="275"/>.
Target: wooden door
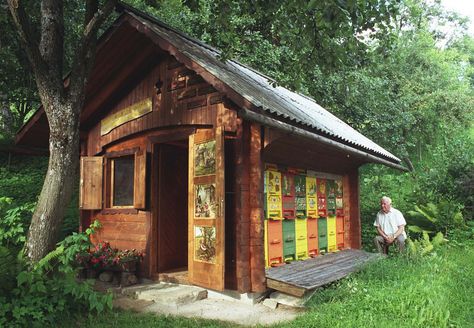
<point x="206" y="225"/>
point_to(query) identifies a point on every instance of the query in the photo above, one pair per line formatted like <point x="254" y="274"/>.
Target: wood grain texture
<point x="180" y="101"/>
<point x="90" y="187"/>
<point x="307" y="275"/>
<point x="139" y="190"/>
<point x="122" y="231"/>
<point x="242" y="209"/>
<point x="257" y="254"/>
<point x="354" y="210"/>
<point x="207" y="274"/>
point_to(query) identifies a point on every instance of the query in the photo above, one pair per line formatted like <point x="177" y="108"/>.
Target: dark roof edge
<point x="127" y="9"/>
<point x="271" y="122"/>
<point x="121" y="6"/>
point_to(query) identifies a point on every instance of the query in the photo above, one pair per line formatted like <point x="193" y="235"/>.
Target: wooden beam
<point x="242" y="209"/>
<point x="293" y="130"/>
<point x="354" y="201"/>
<point x="257" y="254"/>
<point x="164" y="44"/>
<point x="285" y="288"/>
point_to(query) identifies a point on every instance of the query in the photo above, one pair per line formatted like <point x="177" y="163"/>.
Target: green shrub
<point x="14" y="223"/>
<point x="432" y="218"/>
<point x="49" y="291"/>
<point x="21" y="179"/>
<point x="423" y="246"/>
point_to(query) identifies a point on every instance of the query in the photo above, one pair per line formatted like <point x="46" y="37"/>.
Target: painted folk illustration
<point x="205" y="158"/>
<point x="205" y="244"/>
<point x="205" y="204"/>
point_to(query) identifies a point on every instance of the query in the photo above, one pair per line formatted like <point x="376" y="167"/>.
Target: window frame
<point x="111" y="185"/>
<point x="139" y="179"/>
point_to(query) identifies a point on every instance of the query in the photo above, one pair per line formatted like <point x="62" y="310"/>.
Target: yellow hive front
<point x="301" y="233"/>
<point x="332" y="241"/>
<point x="273" y="201"/>
<point x="311" y="197"/>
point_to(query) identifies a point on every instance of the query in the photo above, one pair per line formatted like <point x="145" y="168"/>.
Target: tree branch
<point x="97" y="19"/>
<point x="84" y="59"/>
<point x="27" y="36"/>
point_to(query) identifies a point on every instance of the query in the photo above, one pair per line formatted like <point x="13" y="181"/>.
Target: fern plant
<point x="423" y="246"/>
<point x="433" y="218"/>
<point x="44" y="293"/>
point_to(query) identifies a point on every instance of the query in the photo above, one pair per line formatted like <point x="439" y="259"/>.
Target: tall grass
<point x="432" y="291"/>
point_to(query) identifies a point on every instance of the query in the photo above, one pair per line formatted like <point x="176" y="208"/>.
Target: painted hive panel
<point x="312" y="206"/>
<point x="312" y="230"/>
<point x="274" y="243"/>
<point x="332" y="243"/>
<point x="322" y="235"/>
<point x="289" y="242"/>
<point x="301" y="235"/>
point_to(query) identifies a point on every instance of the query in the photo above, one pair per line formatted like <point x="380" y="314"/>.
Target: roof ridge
<point x="121" y="6"/>
<point x="290" y="97"/>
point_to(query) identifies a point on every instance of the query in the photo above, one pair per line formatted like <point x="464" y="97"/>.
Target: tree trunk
<point x="59" y="181"/>
<point x="62" y="104"/>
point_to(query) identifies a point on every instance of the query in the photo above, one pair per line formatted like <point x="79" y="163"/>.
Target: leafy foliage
<point x="14" y="223"/>
<point x="423" y="246"/>
<point x="433" y="218"/>
<point x="21" y="179"/>
<point x="48" y="291"/>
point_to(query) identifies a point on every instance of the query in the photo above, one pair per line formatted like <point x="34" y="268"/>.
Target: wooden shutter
<point x="206" y="224"/>
<point x="90" y="188"/>
<point x="139" y="188"/>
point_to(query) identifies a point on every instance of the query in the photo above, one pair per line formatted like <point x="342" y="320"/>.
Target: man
<point x="390" y="225"/>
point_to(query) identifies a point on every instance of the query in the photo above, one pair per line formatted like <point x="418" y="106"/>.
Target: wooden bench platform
<point x="296" y="278"/>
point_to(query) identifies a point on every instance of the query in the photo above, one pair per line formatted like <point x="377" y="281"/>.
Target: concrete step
<point x="171" y="294"/>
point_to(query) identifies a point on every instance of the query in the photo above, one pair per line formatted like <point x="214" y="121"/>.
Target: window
<point x="119" y="177"/>
<point x="122" y="181"/>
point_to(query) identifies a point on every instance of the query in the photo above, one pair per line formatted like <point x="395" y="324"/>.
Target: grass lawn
<point x="434" y="291"/>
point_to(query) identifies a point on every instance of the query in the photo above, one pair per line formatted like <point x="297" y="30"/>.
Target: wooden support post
<point x="257" y="257"/>
<point x="354" y="211"/>
<point x="347" y="211"/>
<point x="242" y="210"/>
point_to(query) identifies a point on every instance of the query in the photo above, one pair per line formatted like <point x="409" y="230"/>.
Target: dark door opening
<point x="172" y="214"/>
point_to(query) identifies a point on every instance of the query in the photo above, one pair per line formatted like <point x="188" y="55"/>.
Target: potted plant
<point x="103" y="257"/>
<point x="97" y="259"/>
<point x="127" y="260"/>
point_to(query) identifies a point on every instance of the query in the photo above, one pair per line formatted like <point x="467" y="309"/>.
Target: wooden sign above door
<point x="125" y="115"/>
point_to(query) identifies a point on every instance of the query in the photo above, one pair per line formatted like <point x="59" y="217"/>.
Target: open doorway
<point x="172" y="209"/>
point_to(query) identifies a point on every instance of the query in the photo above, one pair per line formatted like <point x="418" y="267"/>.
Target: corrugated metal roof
<point x="259" y="90"/>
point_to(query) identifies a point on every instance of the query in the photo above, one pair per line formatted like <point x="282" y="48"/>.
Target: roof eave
<point x="290" y="129"/>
